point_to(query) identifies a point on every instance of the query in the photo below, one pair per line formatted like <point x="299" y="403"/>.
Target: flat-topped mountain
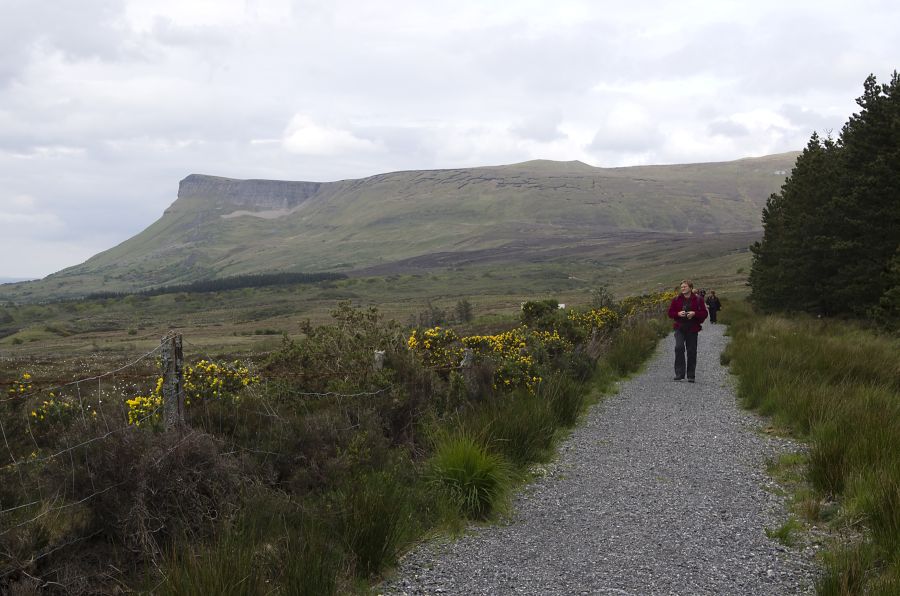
<point x="220" y="227"/>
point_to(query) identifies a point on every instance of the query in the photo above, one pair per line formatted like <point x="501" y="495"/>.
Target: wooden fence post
<point x="467" y="367"/>
<point x="173" y="381"/>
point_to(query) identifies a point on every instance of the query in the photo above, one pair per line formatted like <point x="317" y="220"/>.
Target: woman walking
<point x="688" y="311"/>
<point x="713" y="305"/>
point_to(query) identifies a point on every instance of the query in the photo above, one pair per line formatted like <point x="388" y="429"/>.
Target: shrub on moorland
<point x="340" y="353"/>
<point x="475" y="481"/>
<point x="155" y="488"/>
<point x="415" y="390"/>
<point x="540" y="314"/>
<point x="577" y="365"/>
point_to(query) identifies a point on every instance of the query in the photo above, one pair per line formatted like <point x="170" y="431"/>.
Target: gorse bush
<point x="837" y="386"/>
<point x="338" y="357"/>
<point x="204" y="381"/>
<point x="544" y="341"/>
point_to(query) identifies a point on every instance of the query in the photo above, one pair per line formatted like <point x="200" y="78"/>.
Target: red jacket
<point x="695" y="304"/>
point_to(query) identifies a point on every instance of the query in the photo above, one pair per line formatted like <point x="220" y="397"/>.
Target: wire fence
<point x="27" y="498"/>
<point x="41" y="454"/>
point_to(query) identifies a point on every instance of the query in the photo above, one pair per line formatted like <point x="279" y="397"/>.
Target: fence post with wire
<point x="173" y="381"/>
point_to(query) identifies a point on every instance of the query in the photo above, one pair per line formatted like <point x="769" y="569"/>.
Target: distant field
<point x="251" y="320"/>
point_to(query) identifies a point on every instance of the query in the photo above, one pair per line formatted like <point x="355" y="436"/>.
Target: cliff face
<point x="252" y="195"/>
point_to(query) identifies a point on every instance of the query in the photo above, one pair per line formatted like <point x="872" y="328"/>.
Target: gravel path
<point x="661" y="490"/>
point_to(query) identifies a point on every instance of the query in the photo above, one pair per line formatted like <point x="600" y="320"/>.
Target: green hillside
<point x="420" y="220"/>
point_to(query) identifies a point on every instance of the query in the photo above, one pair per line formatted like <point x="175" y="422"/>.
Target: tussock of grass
<point x="475" y="480"/>
<point x="376" y="520"/>
<point x="837" y="386"/>
<point x="521" y="427"/>
<point x="785" y="533"/>
<point x="567" y="399"/>
<point x="226" y="567"/>
<point x="631" y="347"/>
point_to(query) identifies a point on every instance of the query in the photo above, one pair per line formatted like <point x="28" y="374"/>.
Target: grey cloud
<point x="763" y="59"/>
<point x="728" y="128"/>
<point x="168" y="33"/>
<point x="84" y="29"/>
<point x="543" y="127"/>
<point x="399" y="140"/>
<point x="558" y="63"/>
<point x="639" y="140"/>
<point x="809" y="120"/>
<point x="77" y="30"/>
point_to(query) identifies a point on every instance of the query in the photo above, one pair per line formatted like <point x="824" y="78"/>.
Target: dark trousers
<point x="685" y="341"/>
<point x="712" y="315"/>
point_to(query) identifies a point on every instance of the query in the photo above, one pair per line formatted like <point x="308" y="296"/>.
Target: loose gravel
<point x="661" y="490"/>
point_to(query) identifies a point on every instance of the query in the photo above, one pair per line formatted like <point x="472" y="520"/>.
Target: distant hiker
<point x="713" y="305"/>
<point x="688" y="311"/>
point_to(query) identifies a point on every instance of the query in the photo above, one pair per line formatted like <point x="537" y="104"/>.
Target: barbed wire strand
<point x="69" y="450"/>
<point x="336" y="394"/>
<point x="12" y="457"/>
<point x="48" y="553"/>
<point x="61" y="507"/>
<point x="83" y="443"/>
<point x="100" y="401"/>
<point x="20" y="506"/>
<point x="100" y="376"/>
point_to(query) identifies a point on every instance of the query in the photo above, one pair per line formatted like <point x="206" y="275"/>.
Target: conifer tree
<point x="831" y="235"/>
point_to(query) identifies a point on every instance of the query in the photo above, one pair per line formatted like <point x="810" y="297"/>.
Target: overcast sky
<point x="106" y="104"/>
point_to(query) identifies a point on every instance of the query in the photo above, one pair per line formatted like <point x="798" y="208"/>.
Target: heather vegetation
<point x="305" y="470"/>
<point x="837" y="386"/>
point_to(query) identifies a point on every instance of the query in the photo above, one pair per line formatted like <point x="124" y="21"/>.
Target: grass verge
<point x="836" y="386"/>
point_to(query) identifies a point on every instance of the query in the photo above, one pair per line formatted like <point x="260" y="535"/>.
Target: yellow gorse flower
<point x="204" y="380"/>
<point x="21" y="385"/>
<point x="513" y="352"/>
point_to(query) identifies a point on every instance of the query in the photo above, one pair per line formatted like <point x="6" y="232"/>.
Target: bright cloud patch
<point x="21" y="216"/>
<point x="306" y="137"/>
